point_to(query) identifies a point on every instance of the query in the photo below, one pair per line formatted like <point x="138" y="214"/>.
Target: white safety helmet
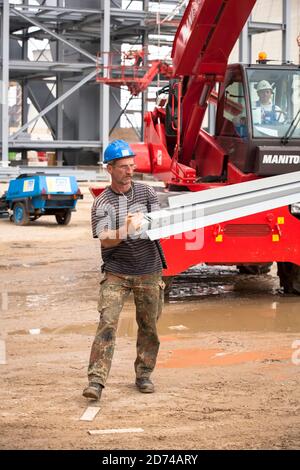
<point x="264" y="85"/>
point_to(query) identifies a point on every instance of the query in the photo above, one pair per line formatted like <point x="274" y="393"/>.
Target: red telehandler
<point x="251" y="141"/>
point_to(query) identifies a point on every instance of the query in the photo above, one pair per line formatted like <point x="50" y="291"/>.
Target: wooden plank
<point x="90" y="413"/>
<point x="115" y="431"/>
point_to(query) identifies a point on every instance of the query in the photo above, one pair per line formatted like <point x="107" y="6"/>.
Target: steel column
<point x="144" y="93"/>
<point x="245" y="45"/>
<point x="104" y="89"/>
<point x="59" y="92"/>
<point x="5" y="81"/>
<point x="286" y="31"/>
<point x="24" y="82"/>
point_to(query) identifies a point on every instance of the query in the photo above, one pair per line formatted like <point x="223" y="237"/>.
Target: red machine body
<point x="179" y="152"/>
<point x="249" y="141"/>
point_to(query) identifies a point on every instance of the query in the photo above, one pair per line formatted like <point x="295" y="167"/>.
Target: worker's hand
<point x="133" y="222"/>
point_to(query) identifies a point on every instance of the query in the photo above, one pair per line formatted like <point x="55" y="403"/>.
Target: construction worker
<point x="268" y="112"/>
<point x="131" y="263"/>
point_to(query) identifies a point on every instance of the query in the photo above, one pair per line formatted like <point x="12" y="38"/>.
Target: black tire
<point x="289" y="277"/>
<point x="63" y="218"/>
<point x="20" y="214"/>
<point x="254" y="269"/>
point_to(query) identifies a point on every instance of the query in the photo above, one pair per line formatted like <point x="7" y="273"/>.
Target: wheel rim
<point x="19" y="213"/>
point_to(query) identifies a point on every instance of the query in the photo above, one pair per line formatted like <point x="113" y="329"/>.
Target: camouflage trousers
<point x="148" y="297"/>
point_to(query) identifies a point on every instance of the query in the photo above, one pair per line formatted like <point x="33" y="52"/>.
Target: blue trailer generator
<point x="30" y="196"/>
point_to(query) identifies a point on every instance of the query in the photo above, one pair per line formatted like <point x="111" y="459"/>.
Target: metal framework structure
<point x="78" y="112"/>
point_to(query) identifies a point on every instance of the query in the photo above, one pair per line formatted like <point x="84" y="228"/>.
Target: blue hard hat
<point x="117" y="149"/>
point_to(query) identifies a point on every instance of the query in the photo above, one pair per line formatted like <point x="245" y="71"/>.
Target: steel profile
<point x="198" y="210"/>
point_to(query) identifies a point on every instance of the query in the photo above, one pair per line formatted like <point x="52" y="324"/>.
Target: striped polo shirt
<point x="134" y="255"/>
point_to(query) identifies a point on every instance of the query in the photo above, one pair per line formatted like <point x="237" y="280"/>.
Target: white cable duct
<point x="198" y="210"/>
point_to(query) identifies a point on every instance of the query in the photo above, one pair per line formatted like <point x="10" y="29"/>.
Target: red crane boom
<point x="203" y="42"/>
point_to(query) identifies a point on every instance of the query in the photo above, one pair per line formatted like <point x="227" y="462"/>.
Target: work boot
<point x="144" y="385"/>
<point x="93" y="391"/>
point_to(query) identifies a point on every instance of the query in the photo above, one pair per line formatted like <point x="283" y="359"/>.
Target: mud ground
<point x="228" y="369"/>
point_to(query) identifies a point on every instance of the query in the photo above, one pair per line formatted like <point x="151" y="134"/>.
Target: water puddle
<point x="183" y="358"/>
<point x="185" y="319"/>
<point x="241" y="314"/>
<point x="201" y="300"/>
<point x="88" y="329"/>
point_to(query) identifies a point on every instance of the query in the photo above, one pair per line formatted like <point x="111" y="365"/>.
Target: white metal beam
<point x="234" y="189"/>
<point x="220" y="205"/>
